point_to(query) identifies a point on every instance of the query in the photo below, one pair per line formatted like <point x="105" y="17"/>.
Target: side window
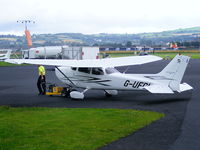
<point x="97" y="71"/>
<point x="85" y="70"/>
<point x="73" y="68"/>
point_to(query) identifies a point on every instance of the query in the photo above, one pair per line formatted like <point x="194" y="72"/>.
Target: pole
<point x="27" y="33"/>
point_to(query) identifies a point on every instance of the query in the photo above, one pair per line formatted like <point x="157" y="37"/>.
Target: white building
<point x="61" y="52"/>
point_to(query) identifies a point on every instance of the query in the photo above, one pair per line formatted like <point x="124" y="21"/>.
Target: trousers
<point x="41" y="85"/>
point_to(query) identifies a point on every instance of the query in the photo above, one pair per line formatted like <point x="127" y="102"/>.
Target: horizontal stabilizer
<point x="185" y="87"/>
<point x="159" y="89"/>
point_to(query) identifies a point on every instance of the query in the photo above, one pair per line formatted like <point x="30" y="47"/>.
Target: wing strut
<point x="65" y="76"/>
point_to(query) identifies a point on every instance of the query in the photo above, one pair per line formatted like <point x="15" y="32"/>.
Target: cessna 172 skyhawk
<point x="5" y="56"/>
<point x="101" y="74"/>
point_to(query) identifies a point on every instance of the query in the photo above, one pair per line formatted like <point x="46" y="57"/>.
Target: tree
<point x="95" y="44"/>
<point x="128" y="44"/>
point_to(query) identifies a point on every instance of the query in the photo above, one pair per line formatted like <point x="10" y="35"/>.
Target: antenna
<point x="27" y="33"/>
<point x="25" y="22"/>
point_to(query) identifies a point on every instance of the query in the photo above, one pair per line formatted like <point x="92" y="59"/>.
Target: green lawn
<point x="163" y="55"/>
<point x="3" y="64"/>
<point x="172" y="55"/>
<point x="67" y="129"/>
<point x="121" y="54"/>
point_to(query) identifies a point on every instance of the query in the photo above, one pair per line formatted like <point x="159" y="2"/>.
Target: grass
<point x="163" y="55"/>
<point x="4" y="64"/>
<point x="67" y="129"/>
<point x="172" y="55"/>
<point x="121" y="54"/>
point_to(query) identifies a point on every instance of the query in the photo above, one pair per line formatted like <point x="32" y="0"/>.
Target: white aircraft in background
<point x="5" y="56"/>
<point x="100" y="74"/>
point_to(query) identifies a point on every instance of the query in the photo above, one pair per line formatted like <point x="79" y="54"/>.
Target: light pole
<point x="25" y="22"/>
<point x="27" y="33"/>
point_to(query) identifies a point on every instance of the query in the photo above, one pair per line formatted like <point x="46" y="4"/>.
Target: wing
<point x="108" y="62"/>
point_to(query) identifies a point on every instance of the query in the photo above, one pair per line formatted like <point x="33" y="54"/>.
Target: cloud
<point x="95" y="16"/>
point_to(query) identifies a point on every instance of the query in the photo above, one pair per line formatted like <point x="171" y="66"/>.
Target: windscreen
<point x="111" y="70"/>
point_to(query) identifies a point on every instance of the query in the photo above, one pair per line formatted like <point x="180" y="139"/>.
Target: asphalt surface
<point x="178" y="130"/>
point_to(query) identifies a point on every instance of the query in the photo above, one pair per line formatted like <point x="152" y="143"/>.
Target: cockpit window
<point x="85" y="70"/>
<point x="97" y="71"/>
<point x="111" y="70"/>
<point x="74" y="68"/>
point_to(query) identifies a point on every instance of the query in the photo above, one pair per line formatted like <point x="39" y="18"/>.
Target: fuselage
<point x="102" y="78"/>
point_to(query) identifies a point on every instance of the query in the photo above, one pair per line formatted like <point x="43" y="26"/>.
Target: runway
<point x="179" y="129"/>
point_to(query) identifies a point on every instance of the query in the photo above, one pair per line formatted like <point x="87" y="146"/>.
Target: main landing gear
<point x="110" y="93"/>
<point x="54" y="90"/>
<point x="80" y="95"/>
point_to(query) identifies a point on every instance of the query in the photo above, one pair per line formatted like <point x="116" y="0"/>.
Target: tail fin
<point x="7" y="56"/>
<point x="174" y="72"/>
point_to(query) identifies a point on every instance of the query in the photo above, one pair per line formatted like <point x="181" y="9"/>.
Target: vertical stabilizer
<point x="7" y="56"/>
<point x="175" y="70"/>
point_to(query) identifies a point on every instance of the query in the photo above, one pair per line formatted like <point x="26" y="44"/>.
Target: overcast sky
<point x="98" y="16"/>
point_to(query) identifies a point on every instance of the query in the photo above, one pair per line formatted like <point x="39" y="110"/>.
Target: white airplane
<point x="100" y="74"/>
<point x="5" y="56"/>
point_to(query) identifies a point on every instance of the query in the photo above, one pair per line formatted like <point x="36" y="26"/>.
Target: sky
<point x="98" y="16"/>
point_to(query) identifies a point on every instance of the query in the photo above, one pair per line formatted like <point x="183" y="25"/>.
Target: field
<point x="163" y="55"/>
<point x="67" y="129"/>
<point x="172" y="55"/>
<point x="3" y="64"/>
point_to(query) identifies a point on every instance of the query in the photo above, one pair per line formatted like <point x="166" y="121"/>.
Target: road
<point x="178" y="130"/>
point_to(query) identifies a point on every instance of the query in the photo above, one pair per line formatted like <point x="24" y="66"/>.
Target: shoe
<point x="39" y="93"/>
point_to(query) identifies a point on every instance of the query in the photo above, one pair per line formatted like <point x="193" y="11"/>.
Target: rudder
<point x="7" y="56"/>
<point x="175" y="70"/>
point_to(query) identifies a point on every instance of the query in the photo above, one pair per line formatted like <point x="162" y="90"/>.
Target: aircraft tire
<point x="107" y="94"/>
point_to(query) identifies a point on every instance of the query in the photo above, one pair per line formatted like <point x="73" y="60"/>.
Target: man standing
<point x="41" y="83"/>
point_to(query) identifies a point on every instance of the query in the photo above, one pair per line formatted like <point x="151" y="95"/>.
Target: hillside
<point x="77" y="39"/>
